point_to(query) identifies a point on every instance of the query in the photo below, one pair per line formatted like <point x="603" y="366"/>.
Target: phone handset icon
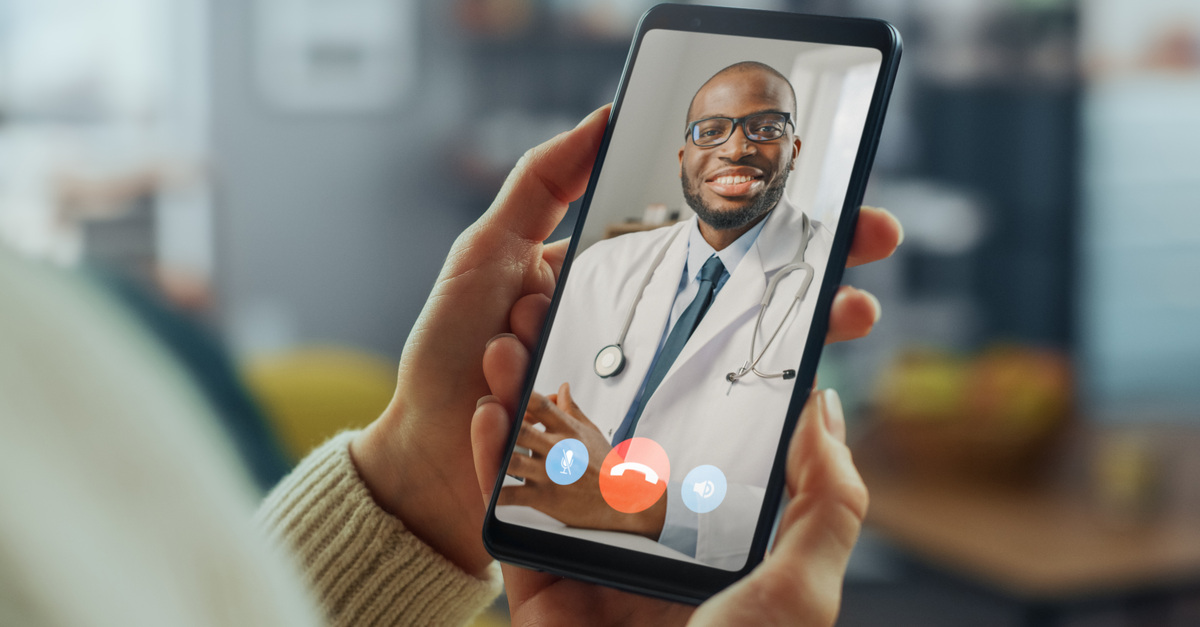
<point x="646" y="471"/>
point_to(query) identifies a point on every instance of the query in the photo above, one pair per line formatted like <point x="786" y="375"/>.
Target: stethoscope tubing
<point x="610" y="361"/>
<point x="752" y="363"/>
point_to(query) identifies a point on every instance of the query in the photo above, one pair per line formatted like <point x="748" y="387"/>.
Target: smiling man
<point x="689" y="296"/>
<point x="731" y="185"/>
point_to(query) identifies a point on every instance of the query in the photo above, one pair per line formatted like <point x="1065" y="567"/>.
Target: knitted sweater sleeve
<point x="361" y="563"/>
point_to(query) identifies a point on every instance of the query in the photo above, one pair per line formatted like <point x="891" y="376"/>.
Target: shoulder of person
<point x="629" y="248"/>
<point x="821" y="230"/>
<point x="822" y="235"/>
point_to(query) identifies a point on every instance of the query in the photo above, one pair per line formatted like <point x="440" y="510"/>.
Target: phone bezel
<point x="661" y="576"/>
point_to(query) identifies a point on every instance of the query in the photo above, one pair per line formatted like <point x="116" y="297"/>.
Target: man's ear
<point x="681" y="162"/>
<point x="795" y="153"/>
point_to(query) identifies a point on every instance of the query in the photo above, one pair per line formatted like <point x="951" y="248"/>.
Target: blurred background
<point x="273" y="184"/>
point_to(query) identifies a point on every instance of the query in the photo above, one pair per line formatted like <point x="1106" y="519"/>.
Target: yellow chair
<point x="312" y="393"/>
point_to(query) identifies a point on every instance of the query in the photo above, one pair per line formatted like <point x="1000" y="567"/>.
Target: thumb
<point x="535" y="195"/>
<point x="821" y="522"/>
<point x="800" y="582"/>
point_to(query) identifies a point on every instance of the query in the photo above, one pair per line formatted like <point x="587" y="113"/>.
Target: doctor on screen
<point x="663" y="336"/>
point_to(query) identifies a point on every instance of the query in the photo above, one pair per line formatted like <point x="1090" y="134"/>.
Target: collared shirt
<point x="699" y="252"/>
<point x="681" y="524"/>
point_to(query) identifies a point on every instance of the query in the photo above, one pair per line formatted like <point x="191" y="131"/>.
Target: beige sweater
<point x="364" y="567"/>
<point x="121" y="503"/>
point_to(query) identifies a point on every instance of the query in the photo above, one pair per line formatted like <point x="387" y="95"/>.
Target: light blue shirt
<point x="680" y="528"/>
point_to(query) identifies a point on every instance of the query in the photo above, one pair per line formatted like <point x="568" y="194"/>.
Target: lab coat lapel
<point x="650" y="317"/>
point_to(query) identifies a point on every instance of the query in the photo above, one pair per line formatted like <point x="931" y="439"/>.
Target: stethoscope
<point x="610" y="361"/>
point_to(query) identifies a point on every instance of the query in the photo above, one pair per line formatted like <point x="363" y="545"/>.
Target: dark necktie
<point x="710" y="274"/>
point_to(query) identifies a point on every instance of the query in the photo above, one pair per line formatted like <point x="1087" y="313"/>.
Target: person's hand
<point x="799" y="582"/>
<point x="828" y="499"/>
<point x="578" y="504"/>
<point x="415" y="459"/>
<point x="498" y="278"/>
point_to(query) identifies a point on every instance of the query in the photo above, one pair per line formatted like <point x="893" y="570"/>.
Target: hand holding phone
<point x="801" y="577"/>
<point x="689" y="346"/>
<point x="412" y="458"/>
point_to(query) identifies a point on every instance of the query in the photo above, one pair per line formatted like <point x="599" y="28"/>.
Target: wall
<point x="330" y="227"/>
<point x="643" y="165"/>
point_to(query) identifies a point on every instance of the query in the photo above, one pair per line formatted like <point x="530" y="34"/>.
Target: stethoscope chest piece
<point x="610" y="361"/>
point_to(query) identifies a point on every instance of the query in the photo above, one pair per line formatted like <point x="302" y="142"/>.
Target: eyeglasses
<point x="758" y="127"/>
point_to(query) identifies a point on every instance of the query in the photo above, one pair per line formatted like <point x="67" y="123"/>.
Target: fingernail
<point x="834" y="418"/>
<point x="875" y="303"/>
<point x="489" y="342"/>
<point x="486" y="399"/>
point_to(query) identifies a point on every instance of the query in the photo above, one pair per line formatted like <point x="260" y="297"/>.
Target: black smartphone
<point x="684" y="335"/>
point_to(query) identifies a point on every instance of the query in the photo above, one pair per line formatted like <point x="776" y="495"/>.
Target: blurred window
<point x="1141" y="233"/>
<point x="103" y="114"/>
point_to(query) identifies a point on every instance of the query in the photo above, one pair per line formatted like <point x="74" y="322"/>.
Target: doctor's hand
<point x="580" y="503"/>
<point x="799" y="582"/>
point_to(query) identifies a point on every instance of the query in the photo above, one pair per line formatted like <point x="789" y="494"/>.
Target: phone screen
<point x="661" y="392"/>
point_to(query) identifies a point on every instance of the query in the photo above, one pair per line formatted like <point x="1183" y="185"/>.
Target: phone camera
<point x="695" y="22"/>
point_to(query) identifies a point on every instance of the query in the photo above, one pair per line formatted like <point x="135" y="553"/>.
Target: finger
<point x="821" y="473"/>
<point x="563" y="399"/>
<point x="489" y="432"/>
<point x="525" y="467"/>
<point x="822" y="414"/>
<point x="834" y="415"/>
<point x="548" y="177"/>
<point x="519" y="495"/>
<point x="554" y="254"/>
<point x="567" y="404"/>
<point x="521" y="584"/>
<point x="853" y="315"/>
<point x="805" y="439"/>
<point x="876" y="236"/>
<point x="544" y="410"/>
<point x="526" y="318"/>
<point x="817" y="532"/>
<point x="505" y="362"/>
<point x="533" y="439"/>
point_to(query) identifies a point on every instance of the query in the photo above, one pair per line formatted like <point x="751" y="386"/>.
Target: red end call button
<point x="634" y="475"/>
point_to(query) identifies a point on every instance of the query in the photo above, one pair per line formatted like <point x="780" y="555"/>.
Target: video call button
<point x="634" y="475"/>
<point x="704" y="488"/>
<point x="567" y="461"/>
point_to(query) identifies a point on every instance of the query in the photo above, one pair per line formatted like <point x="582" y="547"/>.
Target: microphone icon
<point x="568" y="457"/>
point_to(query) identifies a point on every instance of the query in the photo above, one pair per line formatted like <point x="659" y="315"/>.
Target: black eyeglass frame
<point x="690" y="133"/>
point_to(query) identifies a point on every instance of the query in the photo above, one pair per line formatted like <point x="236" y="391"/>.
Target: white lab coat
<point x="696" y="415"/>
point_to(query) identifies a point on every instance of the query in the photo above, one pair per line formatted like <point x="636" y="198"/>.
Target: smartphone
<point x="684" y="334"/>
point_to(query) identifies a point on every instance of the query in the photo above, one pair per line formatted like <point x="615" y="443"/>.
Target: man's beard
<point x="737" y="218"/>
